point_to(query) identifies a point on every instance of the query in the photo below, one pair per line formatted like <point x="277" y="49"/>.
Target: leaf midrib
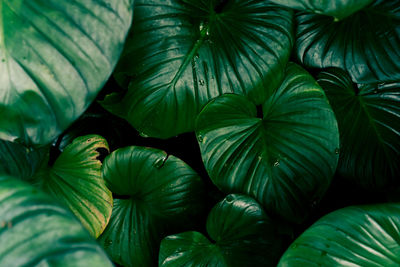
<point x="188" y="58"/>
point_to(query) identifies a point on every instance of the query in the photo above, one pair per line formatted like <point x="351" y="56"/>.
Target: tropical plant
<point x="199" y="133"/>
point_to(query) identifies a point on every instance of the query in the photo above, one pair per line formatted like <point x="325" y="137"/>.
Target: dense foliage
<point x="199" y="133"/>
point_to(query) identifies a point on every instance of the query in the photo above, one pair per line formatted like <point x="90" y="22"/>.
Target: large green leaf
<point x="339" y="9"/>
<point x="153" y="192"/>
<point x="55" y="56"/>
<point x="365" y="44"/>
<point x="369" y="123"/>
<point x="181" y="54"/>
<point x="242" y="234"/>
<point x="34" y="231"/>
<point x="355" y="236"/>
<point x="286" y="158"/>
<point x="75" y="179"/>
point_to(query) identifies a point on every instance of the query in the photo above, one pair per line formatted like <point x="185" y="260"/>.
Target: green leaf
<point x="241" y="233"/>
<point x="55" y="56"/>
<point x="365" y="44"/>
<point x="285" y="159"/>
<point x="154" y="192"/>
<point x="338" y="9"/>
<point x="34" y="231"/>
<point x="369" y="122"/>
<point x="184" y="53"/>
<point x="75" y="179"/>
<point x="353" y="236"/>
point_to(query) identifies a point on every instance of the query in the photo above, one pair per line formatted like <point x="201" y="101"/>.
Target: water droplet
<point x="201" y="26"/>
<point x="143" y="135"/>
<point x="159" y="163"/>
<point x="375" y="91"/>
<point x="197" y="56"/>
<point x="337" y="151"/>
<point x="108" y="242"/>
<point x="229" y="199"/>
<point x="259" y="158"/>
<point x="202" y="82"/>
<point x="208" y="32"/>
<point x="200" y="138"/>
<point x="276" y="163"/>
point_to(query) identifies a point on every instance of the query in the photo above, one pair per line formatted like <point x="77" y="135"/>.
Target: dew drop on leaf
<point x="159" y="163"/>
<point x="337" y="151"/>
<point x="202" y="82"/>
<point x="229" y="198"/>
<point x="143" y="135"/>
<point x="276" y="163"/>
<point x="200" y="138"/>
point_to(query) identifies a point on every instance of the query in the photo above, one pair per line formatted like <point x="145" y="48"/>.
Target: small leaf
<point x="154" y="193"/>
<point x="75" y="179"/>
<point x="242" y="235"/>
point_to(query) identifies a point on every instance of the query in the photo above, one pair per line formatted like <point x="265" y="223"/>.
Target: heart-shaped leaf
<point x="75" y="179"/>
<point x="35" y="231"/>
<point x="154" y="192"/>
<point x="284" y="158"/>
<point x="242" y="235"/>
<point x="365" y="44"/>
<point x="339" y="9"/>
<point x="55" y="56"/>
<point x="354" y="236"/>
<point x="184" y="53"/>
<point x="369" y="122"/>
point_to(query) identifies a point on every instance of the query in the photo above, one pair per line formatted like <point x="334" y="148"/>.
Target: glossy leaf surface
<point x="338" y="9"/>
<point x="55" y="56"/>
<point x="153" y="193"/>
<point x="354" y="236"/>
<point x="181" y="54"/>
<point x="369" y="124"/>
<point x="35" y="231"/>
<point x="242" y="235"/>
<point x="286" y="158"/>
<point x="75" y="179"/>
<point x="365" y="44"/>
